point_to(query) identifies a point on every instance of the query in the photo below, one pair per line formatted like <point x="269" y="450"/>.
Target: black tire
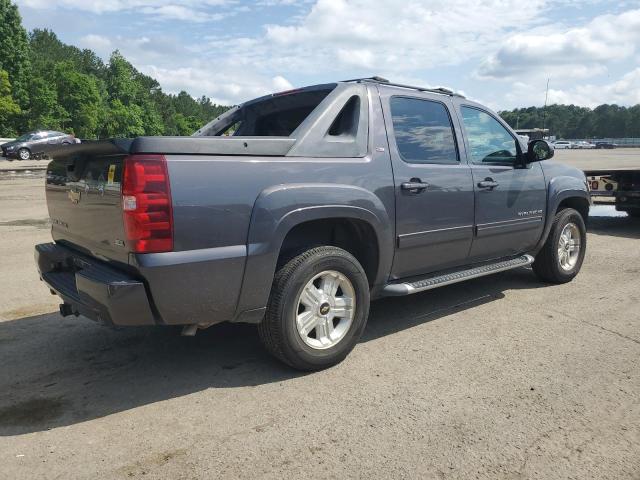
<point x="24" y="152"/>
<point x="547" y="263"/>
<point x="278" y="330"/>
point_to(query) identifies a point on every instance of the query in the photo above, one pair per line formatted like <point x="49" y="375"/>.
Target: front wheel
<point x="24" y="154"/>
<point x="562" y="255"/>
<point x="317" y="310"/>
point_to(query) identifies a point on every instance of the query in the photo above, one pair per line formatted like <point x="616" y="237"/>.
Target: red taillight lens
<point x="146" y="204"/>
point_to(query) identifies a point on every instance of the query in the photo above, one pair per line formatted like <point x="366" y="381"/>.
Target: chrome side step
<point x="429" y="283"/>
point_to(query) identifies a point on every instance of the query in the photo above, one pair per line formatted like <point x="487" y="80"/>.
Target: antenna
<point x="544" y="110"/>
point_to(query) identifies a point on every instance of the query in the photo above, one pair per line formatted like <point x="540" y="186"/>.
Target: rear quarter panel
<point x="227" y="209"/>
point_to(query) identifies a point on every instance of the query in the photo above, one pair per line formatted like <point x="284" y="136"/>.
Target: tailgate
<point x="83" y="196"/>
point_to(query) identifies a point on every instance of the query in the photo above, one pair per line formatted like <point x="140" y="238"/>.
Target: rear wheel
<point x="317" y="310"/>
<point x="24" y="154"/>
<point x="561" y="258"/>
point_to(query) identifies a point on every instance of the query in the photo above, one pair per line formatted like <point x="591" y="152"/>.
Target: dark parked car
<point x="35" y="144"/>
<point x="607" y="145"/>
<point x="323" y="198"/>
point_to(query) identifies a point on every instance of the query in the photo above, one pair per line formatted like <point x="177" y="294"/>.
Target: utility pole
<point x="544" y="110"/>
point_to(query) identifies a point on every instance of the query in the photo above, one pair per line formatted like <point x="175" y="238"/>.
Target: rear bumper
<point x="93" y="289"/>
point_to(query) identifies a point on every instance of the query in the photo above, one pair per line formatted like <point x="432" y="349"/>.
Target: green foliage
<point x="51" y="85"/>
<point x="79" y="96"/>
<point x="45" y="111"/>
<point x="14" y="50"/>
<point x="123" y="121"/>
<point x="8" y="107"/>
<point x="47" y="50"/>
<point x="570" y="121"/>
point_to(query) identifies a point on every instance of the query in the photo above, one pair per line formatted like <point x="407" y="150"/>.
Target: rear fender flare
<point x="278" y="209"/>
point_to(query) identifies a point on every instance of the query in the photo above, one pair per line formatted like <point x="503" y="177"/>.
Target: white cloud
<point x="99" y="43"/>
<point x="180" y="12"/>
<point x="576" y="51"/>
<point x="357" y="57"/>
<point x="625" y="91"/>
<point x="396" y="36"/>
<point x="223" y="88"/>
<point x="184" y="10"/>
<point x="281" y="84"/>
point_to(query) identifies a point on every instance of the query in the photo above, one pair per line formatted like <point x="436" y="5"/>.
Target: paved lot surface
<point x="20" y="165"/>
<point x="498" y="378"/>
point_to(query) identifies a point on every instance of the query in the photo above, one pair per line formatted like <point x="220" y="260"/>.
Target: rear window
<point x="276" y="115"/>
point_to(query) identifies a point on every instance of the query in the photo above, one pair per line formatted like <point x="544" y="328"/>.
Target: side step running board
<point x="429" y="283"/>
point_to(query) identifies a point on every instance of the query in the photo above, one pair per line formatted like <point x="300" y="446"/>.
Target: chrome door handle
<point x="488" y="183"/>
<point x="415" y="186"/>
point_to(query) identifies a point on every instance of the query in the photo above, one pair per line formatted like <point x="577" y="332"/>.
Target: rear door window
<point x="423" y="131"/>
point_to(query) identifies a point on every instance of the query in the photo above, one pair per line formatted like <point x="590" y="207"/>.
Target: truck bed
<point x="600" y="161"/>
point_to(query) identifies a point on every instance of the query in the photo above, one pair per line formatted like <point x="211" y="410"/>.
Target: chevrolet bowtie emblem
<point x="74" y="196"/>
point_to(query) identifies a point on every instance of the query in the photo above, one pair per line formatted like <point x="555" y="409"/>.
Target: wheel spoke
<point x="343" y="307"/>
<point x="324" y="328"/>
<point x="307" y="321"/>
<point x="311" y="296"/>
<point x="329" y="285"/>
<point x="563" y="257"/>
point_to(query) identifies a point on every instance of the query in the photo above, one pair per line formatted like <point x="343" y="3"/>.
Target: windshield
<point x="25" y="137"/>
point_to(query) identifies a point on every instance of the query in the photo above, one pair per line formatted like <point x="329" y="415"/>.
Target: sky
<point x="498" y="52"/>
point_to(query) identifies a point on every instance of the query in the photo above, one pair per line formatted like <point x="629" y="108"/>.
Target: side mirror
<point x="539" y="150"/>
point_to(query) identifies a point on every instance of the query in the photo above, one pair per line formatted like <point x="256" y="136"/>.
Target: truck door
<point x="433" y="184"/>
<point x="510" y="198"/>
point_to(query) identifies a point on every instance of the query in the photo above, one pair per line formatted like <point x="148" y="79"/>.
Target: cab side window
<point x="489" y="141"/>
<point x="423" y="131"/>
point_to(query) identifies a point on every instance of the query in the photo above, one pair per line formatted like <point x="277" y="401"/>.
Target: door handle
<point x="415" y="185"/>
<point x="488" y="183"/>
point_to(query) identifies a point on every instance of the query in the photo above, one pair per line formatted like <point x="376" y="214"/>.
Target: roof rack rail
<point x="376" y="79"/>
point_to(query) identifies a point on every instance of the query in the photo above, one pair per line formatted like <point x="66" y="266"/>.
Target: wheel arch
<point x="564" y="192"/>
<point x="286" y="215"/>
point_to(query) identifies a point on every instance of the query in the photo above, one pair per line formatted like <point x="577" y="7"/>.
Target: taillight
<point x="146" y="204"/>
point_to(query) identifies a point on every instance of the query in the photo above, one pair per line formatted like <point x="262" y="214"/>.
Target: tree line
<point x="46" y="84"/>
<point x="571" y="121"/>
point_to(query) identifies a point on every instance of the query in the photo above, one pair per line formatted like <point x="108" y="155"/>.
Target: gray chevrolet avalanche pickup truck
<point x="294" y="210"/>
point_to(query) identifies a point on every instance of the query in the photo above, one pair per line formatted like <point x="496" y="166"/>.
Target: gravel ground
<point x="497" y="378"/>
